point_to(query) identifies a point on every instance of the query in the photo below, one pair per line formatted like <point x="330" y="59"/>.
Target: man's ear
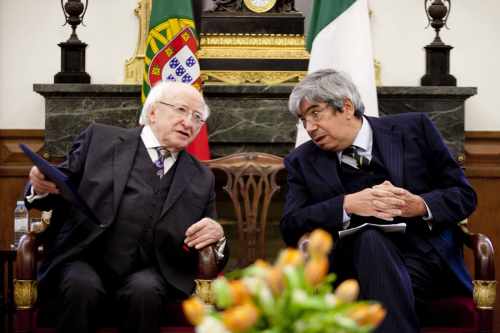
<point x="152" y="114"/>
<point x="348" y="107"/>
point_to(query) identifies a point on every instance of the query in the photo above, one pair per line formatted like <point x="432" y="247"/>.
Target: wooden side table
<point x="7" y="306"/>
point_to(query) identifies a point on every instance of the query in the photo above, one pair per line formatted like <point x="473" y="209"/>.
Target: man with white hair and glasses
<point x="394" y="169"/>
<point x="156" y="208"/>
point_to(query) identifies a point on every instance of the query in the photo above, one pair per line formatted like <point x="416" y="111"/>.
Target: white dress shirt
<point x="151" y="142"/>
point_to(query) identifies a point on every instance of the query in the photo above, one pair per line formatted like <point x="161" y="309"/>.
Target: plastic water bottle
<point x="21" y="218"/>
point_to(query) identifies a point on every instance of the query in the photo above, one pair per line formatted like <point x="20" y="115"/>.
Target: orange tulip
<point x="275" y="280"/>
<point x="239" y="292"/>
<point x="320" y="243"/>
<point x="241" y="317"/>
<point x="262" y="264"/>
<point x="290" y="257"/>
<point x="316" y="269"/>
<point x="347" y="291"/>
<point x="368" y="314"/>
<point x="194" y="309"/>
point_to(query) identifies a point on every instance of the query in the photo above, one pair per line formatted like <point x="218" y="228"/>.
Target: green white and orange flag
<point x="171" y="55"/>
<point x="339" y="37"/>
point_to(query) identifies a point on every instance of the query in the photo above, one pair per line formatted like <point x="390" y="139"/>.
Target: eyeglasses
<point x="196" y="116"/>
<point x="313" y="115"/>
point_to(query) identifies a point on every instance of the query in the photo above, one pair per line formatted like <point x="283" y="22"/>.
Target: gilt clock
<point x="259" y="6"/>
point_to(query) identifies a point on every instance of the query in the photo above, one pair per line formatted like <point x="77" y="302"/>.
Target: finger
<point x="203" y="244"/>
<point x="196" y="227"/>
<point x="392" y="212"/>
<point x="213" y="230"/>
<point x="384" y="216"/>
<point x="201" y="240"/>
<point x="394" y="202"/>
<point x="381" y="205"/>
<point x="382" y="192"/>
<point x="36" y="173"/>
<point x="43" y="187"/>
<point x="46" y="185"/>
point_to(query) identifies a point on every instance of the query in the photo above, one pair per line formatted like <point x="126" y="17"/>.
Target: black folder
<point x="67" y="189"/>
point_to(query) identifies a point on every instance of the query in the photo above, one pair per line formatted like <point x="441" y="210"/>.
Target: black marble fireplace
<point x="243" y="118"/>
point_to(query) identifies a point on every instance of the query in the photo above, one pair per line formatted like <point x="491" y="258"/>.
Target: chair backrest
<point x="250" y="183"/>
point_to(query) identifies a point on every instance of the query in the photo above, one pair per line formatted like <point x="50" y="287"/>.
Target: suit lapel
<point x="123" y="160"/>
<point x="325" y="164"/>
<point x="389" y="142"/>
<point x="184" y="172"/>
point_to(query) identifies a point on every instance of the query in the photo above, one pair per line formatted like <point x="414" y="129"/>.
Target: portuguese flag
<point x="171" y="55"/>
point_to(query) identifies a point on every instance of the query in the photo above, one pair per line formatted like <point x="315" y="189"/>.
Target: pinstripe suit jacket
<point x="416" y="158"/>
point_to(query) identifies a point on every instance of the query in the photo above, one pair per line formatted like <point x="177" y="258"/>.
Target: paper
<point x="67" y="189"/>
<point x="397" y="227"/>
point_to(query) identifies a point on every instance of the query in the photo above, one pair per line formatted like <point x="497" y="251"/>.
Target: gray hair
<point x="329" y="86"/>
<point x="160" y="91"/>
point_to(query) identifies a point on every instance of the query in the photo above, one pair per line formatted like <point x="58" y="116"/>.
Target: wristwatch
<point x="259" y="6"/>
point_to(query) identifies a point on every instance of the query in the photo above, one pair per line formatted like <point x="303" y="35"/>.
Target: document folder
<point x="67" y="189"/>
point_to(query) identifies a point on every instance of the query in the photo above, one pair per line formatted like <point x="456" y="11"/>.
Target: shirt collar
<point x="150" y="141"/>
<point x="364" y="138"/>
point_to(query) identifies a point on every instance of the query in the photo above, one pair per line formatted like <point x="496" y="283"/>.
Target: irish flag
<point x="171" y="55"/>
<point x="339" y="38"/>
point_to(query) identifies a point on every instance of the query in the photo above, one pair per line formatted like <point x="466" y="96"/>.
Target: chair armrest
<point x="208" y="267"/>
<point x="483" y="252"/>
<point x="25" y="284"/>
<point x="26" y="257"/>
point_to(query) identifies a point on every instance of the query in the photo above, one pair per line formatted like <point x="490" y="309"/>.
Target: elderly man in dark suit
<point x="155" y="205"/>
<point x="360" y="169"/>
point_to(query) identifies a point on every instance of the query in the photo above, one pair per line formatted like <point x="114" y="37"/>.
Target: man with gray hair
<point x="155" y="204"/>
<point x="395" y="169"/>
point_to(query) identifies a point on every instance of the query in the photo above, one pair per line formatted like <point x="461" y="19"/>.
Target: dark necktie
<point x="160" y="162"/>
<point x="360" y="161"/>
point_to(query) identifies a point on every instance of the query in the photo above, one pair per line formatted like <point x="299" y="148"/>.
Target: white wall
<point x="398" y="40"/>
<point x="29" y="33"/>
<point x="31" y="29"/>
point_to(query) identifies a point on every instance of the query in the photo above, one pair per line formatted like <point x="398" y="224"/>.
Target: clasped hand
<point x="385" y="201"/>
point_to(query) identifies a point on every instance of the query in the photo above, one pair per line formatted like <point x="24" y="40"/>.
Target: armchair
<point x="250" y="183"/>
<point x="29" y="253"/>
<point x="460" y="314"/>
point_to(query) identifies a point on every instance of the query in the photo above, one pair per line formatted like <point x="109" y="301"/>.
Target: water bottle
<point x="20" y="221"/>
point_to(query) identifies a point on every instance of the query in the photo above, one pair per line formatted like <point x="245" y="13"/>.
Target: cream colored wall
<point x="399" y="37"/>
<point x="31" y="29"/>
<point x="29" y="33"/>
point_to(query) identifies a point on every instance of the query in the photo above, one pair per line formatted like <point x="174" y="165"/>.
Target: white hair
<point x="163" y="89"/>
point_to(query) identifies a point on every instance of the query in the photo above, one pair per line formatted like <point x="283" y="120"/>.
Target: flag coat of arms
<point x="171" y="55"/>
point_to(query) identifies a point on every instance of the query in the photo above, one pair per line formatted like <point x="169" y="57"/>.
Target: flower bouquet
<point x="293" y="295"/>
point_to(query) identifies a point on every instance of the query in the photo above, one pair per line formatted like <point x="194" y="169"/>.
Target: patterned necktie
<point x="160" y="162"/>
<point x="360" y="161"/>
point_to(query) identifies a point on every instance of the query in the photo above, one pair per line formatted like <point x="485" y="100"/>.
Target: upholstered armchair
<point x="461" y="314"/>
<point x="250" y="182"/>
<point x="29" y="253"/>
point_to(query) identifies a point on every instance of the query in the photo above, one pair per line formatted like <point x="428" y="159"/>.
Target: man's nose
<point x="310" y="126"/>
<point x="188" y="121"/>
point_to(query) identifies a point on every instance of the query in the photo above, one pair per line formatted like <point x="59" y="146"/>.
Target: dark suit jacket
<point x="416" y="159"/>
<point x="99" y="163"/>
